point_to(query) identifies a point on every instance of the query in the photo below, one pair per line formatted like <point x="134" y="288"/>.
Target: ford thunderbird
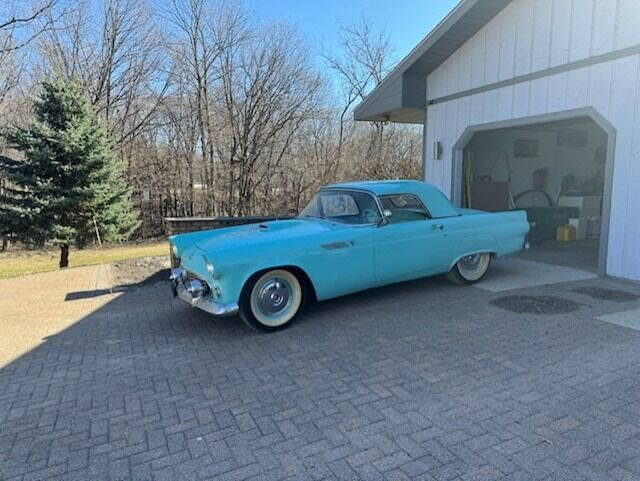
<point x="350" y="237"/>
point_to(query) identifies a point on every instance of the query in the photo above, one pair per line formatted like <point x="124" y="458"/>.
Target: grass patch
<point x="19" y="263"/>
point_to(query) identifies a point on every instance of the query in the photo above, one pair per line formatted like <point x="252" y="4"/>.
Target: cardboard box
<point x="580" y="224"/>
<point x="589" y="205"/>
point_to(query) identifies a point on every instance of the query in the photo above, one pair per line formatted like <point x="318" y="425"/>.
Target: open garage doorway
<point x="558" y="169"/>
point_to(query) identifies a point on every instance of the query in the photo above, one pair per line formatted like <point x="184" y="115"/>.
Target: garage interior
<point x="556" y="172"/>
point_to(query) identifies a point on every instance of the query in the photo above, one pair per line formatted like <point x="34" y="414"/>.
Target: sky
<point x="406" y="21"/>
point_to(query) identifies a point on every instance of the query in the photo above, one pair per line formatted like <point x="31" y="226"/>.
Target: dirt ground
<point x="137" y="272"/>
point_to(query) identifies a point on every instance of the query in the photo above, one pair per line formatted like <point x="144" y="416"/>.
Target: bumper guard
<point x="198" y="294"/>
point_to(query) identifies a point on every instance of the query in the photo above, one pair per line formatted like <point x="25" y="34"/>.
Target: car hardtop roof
<point x="432" y="197"/>
<point x="383" y="187"/>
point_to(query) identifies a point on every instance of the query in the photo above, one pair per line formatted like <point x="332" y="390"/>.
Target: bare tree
<point x="362" y="63"/>
<point x="378" y="149"/>
<point x="205" y="31"/>
<point x="117" y="55"/>
<point x="268" y="91"/>
<point x="20" y="22"/>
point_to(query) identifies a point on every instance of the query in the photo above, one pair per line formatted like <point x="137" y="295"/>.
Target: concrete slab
<point x="508" y="273"/>
<point x="630" y="318"/>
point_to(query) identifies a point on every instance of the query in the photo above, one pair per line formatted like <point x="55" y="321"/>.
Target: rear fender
<point x="474" y="244"/>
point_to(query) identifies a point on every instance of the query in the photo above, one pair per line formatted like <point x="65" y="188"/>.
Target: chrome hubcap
<point x="471" y="262"/>
<point x="274" y="296"/>
<point x="474" y="266"/>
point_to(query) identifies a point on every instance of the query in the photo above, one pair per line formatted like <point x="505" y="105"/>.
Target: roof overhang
<point x="401" y="95"/>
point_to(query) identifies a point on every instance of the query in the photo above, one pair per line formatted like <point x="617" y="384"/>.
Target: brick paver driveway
<point x="423" y="380"/>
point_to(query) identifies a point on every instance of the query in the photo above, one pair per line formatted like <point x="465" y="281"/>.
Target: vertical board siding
<point x="577" y="93"/>
<point x="628" y="31"/>
<point x="542" y="16"/>
<point x="521" y="94"/>
<point x="557" y="92"/>
<point x="581" y="29"/>
<point x="524" y="16"/>
<point x="532" y="35"/>
<point x="611" y="88"/>
<point x="477" y="60"/>
<point x="604" y="25"/>
<point x="560" y="32"/>
<point x="507" y="49"/>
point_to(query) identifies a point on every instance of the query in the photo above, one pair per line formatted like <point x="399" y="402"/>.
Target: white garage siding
<point x="531" y="36"/>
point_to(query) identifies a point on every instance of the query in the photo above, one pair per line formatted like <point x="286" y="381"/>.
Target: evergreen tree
<point x="69" y="181"/>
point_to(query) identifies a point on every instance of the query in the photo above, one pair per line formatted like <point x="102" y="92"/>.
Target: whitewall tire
<point x="470" y="269"/>
<point x="271" y="300"/>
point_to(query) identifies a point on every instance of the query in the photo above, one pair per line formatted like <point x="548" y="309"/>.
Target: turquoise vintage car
<point x="350" y="237"/>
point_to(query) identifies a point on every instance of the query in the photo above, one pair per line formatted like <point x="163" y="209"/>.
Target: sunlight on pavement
<point x="36" y="306"/>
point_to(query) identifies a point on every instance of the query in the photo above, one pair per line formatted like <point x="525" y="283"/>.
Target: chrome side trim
<point x="337" y="245"/>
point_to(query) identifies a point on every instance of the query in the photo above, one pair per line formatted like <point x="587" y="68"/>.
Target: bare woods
<point x="212" y="110"/>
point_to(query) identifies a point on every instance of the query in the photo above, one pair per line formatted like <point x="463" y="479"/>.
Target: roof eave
<point x="402" y="93"/>
<point x="403" y="101"/>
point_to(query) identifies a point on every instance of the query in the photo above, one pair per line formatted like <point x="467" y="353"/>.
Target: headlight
<point x="210" y="269"/>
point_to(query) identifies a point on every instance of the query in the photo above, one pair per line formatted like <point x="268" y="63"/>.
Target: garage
<point x="555" y="170"/>
<point x="532" y="104"/>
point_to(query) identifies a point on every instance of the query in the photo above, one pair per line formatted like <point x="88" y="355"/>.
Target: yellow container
<point x="566" y="233"/>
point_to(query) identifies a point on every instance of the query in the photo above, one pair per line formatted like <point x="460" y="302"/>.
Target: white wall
<point x="560" y="161"/>
<point x="610" y="87"/>
<point x="533" y="35"/>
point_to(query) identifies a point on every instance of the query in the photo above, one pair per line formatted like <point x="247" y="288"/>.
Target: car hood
<point x="265" y="232"/>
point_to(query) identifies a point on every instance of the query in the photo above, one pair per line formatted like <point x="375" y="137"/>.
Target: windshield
<point x="346" y="207"/>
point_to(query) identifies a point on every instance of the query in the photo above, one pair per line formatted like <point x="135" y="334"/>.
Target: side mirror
<point x="387" y="213"/>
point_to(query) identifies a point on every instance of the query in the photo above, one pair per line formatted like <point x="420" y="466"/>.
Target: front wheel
<point x="470" y="269"/>
<point x="271" y="301"/>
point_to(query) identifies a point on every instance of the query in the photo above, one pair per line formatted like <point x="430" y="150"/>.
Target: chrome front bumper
<point x="197" y="293"/>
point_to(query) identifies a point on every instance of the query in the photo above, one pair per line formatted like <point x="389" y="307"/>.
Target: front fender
<point x="231" y="278"/>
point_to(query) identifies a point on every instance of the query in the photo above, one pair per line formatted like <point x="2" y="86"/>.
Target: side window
<point x="404" y="208"/>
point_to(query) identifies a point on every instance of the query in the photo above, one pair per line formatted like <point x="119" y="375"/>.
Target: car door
<point x="340" y="258"/>
<point x="410" y="244"/>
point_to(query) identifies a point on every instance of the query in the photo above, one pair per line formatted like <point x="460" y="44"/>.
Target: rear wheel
<point x="470" y="269"/>
<point x="271" y="300"/>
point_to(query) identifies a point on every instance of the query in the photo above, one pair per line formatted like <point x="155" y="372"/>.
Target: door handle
<point x="437" y="226"/>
